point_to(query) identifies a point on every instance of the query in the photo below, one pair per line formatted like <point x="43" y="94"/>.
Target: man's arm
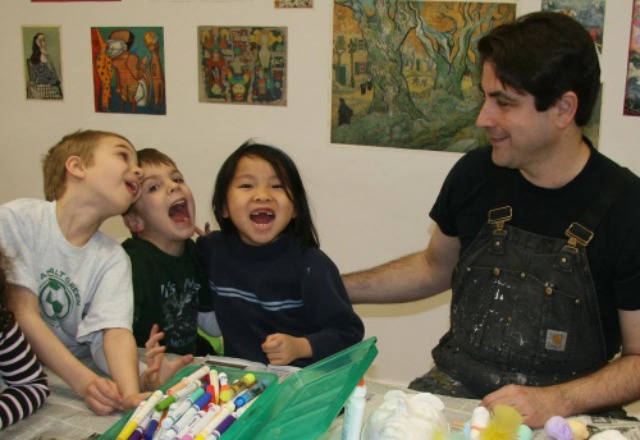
<point x="100" y="394"/>
<point x="409" y="278"/>
<point x="616" y="384"/>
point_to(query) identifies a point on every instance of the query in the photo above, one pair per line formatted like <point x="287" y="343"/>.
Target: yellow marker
<point x="143" y="411"/>
<point x="213" y="380"/>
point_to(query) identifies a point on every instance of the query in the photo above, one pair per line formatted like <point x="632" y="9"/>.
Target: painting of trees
<point x="412" y="79"/>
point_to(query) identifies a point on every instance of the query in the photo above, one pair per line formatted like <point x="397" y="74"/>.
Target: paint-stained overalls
<point x="524" y="307"/>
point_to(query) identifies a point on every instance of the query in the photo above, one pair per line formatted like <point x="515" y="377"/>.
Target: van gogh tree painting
<point x="405" y="73"/>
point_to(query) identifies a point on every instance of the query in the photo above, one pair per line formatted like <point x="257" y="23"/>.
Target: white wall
<point x="371" y="204"/>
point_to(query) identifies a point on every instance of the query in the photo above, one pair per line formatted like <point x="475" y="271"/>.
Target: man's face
<point x="520" y="135"/>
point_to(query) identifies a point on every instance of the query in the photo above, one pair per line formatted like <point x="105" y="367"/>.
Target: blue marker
<point x="153" y="425"/>
<point x="248" y="394"/>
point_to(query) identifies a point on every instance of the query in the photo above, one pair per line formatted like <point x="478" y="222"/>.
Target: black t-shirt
<point x="468" y="194"/>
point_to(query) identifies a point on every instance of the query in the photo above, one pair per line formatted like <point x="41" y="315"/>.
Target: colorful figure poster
<point x="243" y="65"/>
<point x="632" y="93"/>
<point x="128" y="70"/>
<point x="409" y="79"/>
<point x="41" y="48"/>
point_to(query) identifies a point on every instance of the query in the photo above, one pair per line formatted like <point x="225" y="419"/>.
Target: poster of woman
<point x="41" y="46"/>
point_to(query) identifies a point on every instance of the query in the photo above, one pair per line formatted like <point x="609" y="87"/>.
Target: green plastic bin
<point x="303" y="406"/>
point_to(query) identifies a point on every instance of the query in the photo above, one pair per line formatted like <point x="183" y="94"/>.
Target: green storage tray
<point x="303" y="406"/>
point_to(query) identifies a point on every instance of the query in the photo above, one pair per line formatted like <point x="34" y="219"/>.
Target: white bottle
<point x="354" y="413"/>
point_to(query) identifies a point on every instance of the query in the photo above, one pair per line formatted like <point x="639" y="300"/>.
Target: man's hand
<point x="102" y="396"/>
<point x="536" y="404"/>
<point x="159" y="368"/>
<point x="283" y="349"/>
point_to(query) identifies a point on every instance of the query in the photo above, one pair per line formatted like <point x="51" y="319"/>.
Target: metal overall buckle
<point x="499" y="216"/>
<point x="578" y="235"/>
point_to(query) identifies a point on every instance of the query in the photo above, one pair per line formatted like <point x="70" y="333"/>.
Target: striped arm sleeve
<point x="27" y="387"/>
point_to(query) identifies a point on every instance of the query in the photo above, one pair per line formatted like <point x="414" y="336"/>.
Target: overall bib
<point x="524" y="307"/>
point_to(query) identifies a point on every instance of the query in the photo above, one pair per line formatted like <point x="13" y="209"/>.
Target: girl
<point x="278" y="298"/>
<point x="26" y="384"/>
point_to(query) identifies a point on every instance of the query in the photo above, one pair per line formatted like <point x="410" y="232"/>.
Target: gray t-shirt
<point x="81" y="290"/>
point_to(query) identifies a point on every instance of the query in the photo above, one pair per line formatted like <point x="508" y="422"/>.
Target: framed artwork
<point x="58" y="1"/>
<point x="242" y="65"/>
<point x="632" y="93"/>
<point x="42" y="52"/>
<point x="409" y="80"/>
<point x="590" y="13"/>
<point x="293" y="3"/>
<point x="128" y="70"/>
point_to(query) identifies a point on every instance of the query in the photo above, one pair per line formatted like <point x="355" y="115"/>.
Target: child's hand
<point x="102" y="396"/>
<point x="283" y="349"/>
<point x="159" y="368"/>
<point x="207" y="230"/>
<point x="134" y="400"/>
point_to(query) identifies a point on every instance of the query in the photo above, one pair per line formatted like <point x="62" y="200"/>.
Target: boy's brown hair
<point x="82" y="143"/>
<point x="151" y="156"/>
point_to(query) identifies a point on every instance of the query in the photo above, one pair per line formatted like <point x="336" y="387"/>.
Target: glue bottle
<point x="354" y="413"/>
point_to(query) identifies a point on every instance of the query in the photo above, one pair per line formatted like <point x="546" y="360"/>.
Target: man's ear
<point x="133" y="222"/>
<point x="567" y="106"/>
<point x="75" y="167"/>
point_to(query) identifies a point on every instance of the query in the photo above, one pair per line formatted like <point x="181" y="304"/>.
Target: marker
<point x="179" y="408"/>
<point x="213" y="381"/>
<point x="137" y="434"/>
<point x="196" y="375"/>
<point x="240" y="411"/>
<point x="143" y="410"/>
<point x="239" y="385"/>
<point x="178" y="395"/>
<point x="225" y="410"/>
<point x="222" y="427"/>
<point x="224" y="384"/>
<point x="248" y="394"/>
<point x="210" y="413"/>
<point x="153" y="424"/>
<point x="185" y="418"/>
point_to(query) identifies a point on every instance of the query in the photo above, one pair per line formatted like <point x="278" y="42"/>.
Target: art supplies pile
<point x="301" y="406"/>
<point x="203" y="403"/>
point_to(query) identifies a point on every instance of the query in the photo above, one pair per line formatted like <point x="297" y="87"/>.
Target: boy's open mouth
<point x="134" y="187"/>
<point x="262" y="216"/>
<point x="179" y="211"/>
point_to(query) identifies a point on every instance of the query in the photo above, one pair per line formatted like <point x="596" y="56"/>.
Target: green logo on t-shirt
<point x="55" y="296"/>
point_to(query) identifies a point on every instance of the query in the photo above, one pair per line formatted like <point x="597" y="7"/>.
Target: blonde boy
<point x="71" y="290"/>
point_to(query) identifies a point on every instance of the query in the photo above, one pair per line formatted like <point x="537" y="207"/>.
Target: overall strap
<point x="582" y="230"/>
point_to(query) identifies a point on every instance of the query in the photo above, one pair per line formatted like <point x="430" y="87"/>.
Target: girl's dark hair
<point x="286" y="170"/>
<point x="545" y="54"/>
<point x="6" y="316"/>
<point x="35" y="49"/>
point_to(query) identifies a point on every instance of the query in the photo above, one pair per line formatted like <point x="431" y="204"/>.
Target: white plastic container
<point x="354" y="413"/>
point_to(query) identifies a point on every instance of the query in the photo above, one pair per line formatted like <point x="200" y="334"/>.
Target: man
<point x="536" y="236"/>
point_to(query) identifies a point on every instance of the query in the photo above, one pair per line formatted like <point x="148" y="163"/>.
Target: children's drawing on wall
<point x="128" y="70"/>
<point x="407" y="70"/>
<point x="293" y="3"/>
<point x="242" y="65"/>
<point x="590" y="13"/>
<point x="632" y="93"/>
<point x="41" y="48"/>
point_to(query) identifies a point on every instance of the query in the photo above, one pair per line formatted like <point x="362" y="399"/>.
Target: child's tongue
<point x="179" y="213"/>
<point x="261" y="217"/>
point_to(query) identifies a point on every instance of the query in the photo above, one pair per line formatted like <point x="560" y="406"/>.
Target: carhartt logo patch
<point x="556" y="340"/>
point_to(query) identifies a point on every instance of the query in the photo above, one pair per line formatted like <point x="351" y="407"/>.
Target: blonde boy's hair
<point x="82" y="143"/>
